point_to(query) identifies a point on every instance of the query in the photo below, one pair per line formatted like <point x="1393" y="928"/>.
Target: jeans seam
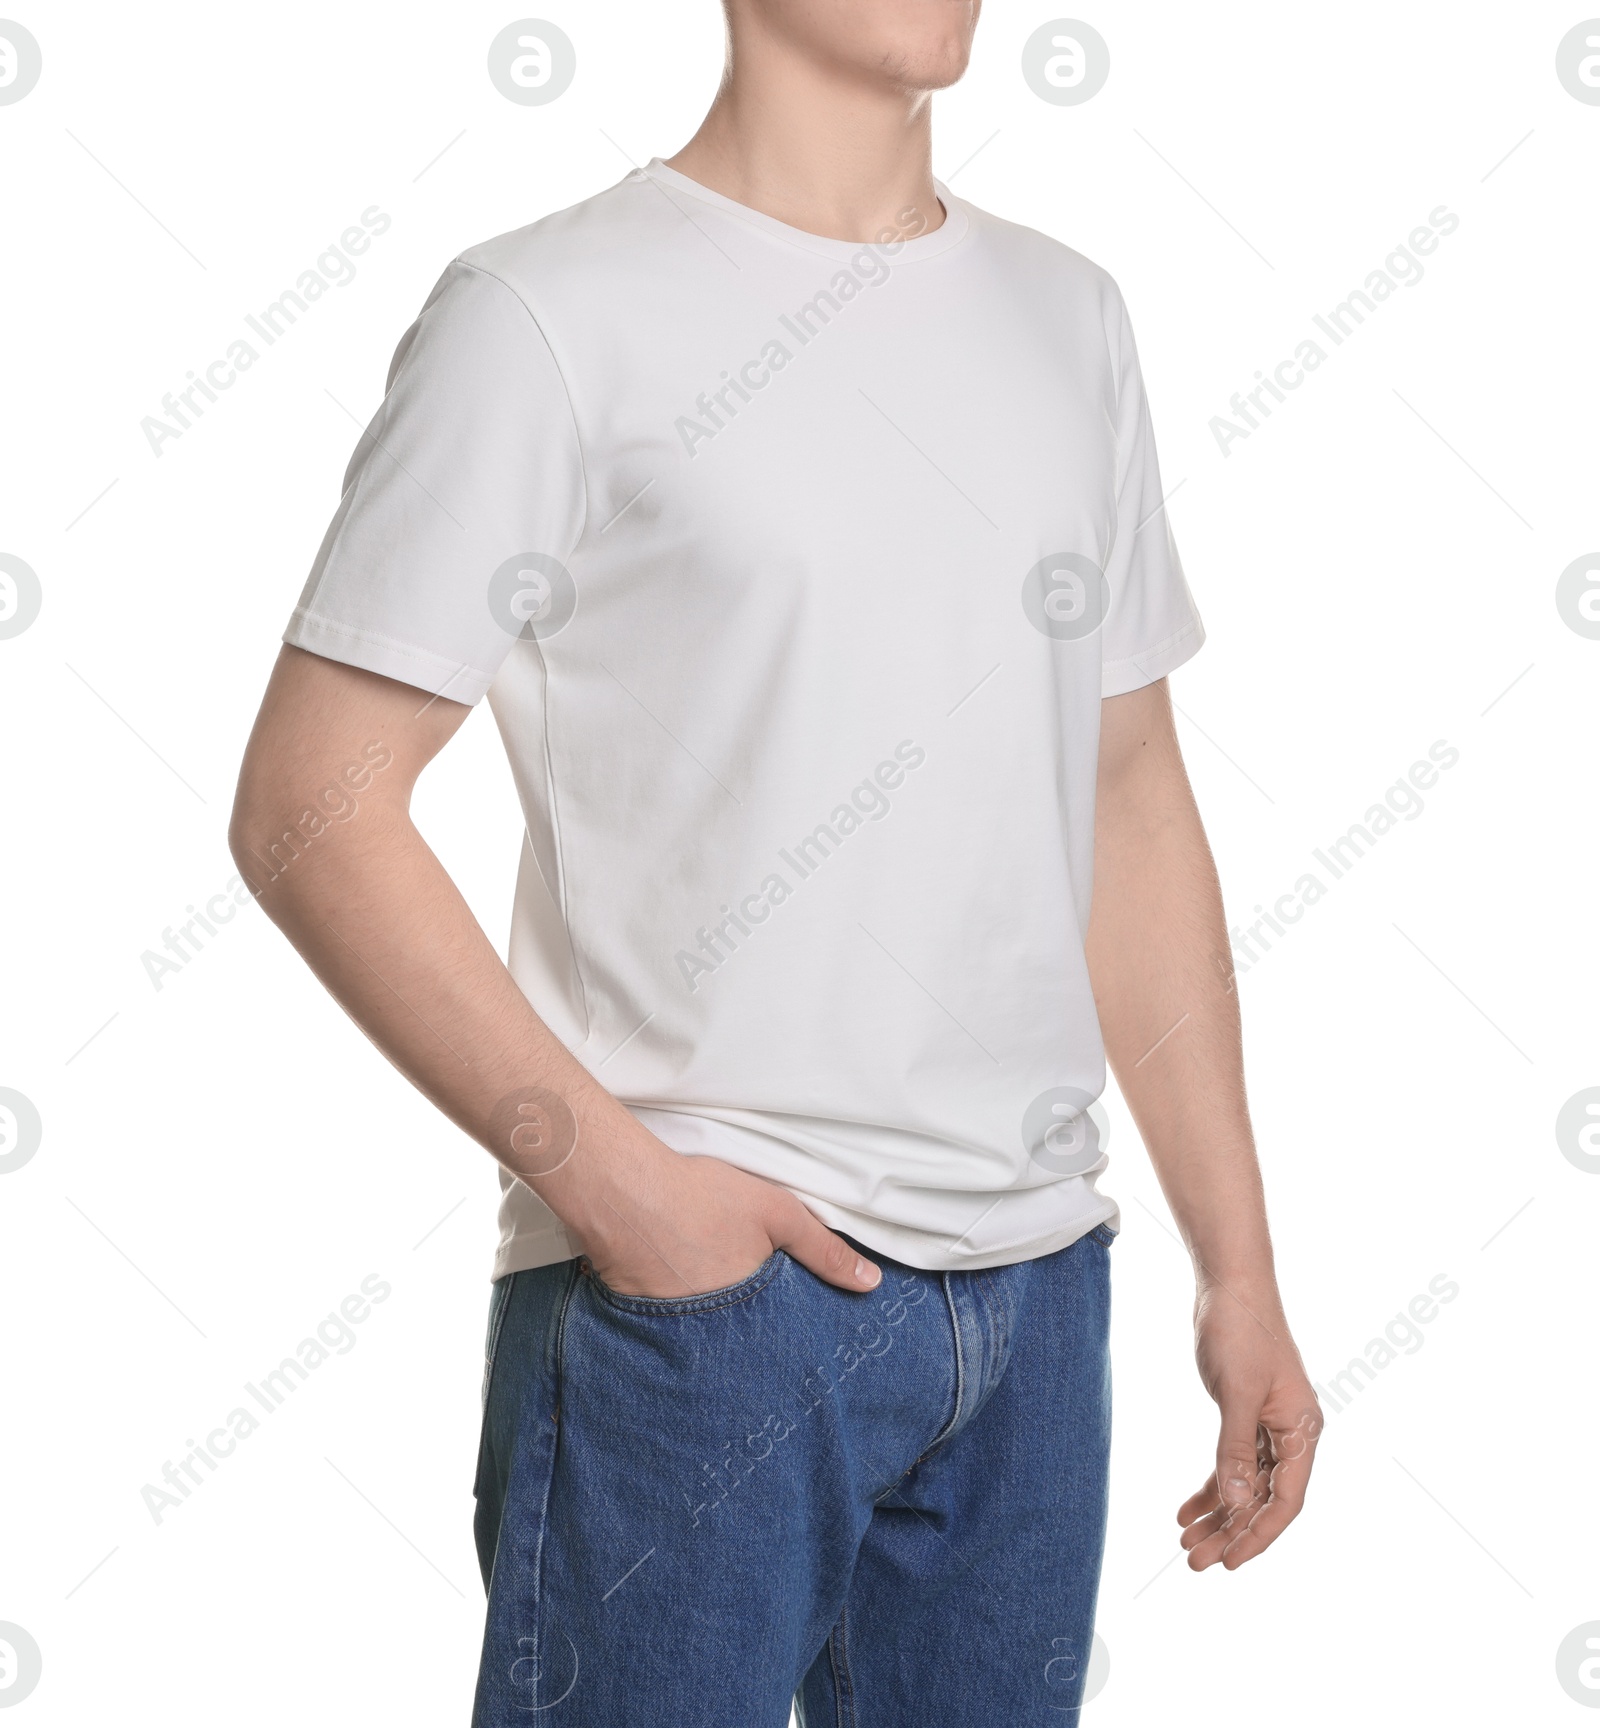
<point x="503" y="1303"/>
<point x="995" y="1304"/>
<point x="731" y="1297"/>
<point x="558" y="1344"/>
<point x="844" y="1691"/>
<point x="495" y="1330"/>
<point x="961" y="1374"/>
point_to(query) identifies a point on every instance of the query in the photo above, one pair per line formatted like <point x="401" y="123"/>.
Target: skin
<point x="822" y="121"/>
<point x="1160" y="964"/>
<point x="825" y="115"/>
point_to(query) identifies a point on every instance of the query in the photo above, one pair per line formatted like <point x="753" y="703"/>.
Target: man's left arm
<point x="1163" y="981"/>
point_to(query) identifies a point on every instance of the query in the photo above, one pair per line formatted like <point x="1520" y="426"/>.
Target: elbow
<point x="239" y="827"/>
<point x="246" y="830"/>
<point x="261" y="841"/>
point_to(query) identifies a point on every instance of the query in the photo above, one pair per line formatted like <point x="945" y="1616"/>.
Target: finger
<point x="805" y="1238"/>
<point x="1203" y="1528"/>
<point x="1198" y="1504"/>
<point x="1286" y="1497"/>
<point x="1219" y="1518"/>
<point x="1256" y="1535"/>
<point x="1238" y="1454"/>
<point x="1213" y="1537"/>
<point x="1202" y="1503"/>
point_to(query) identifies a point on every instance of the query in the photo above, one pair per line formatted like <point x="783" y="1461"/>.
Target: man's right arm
<point x="322" y="833"/>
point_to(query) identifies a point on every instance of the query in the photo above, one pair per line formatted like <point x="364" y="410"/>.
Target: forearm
<point x="1163" y="981"/>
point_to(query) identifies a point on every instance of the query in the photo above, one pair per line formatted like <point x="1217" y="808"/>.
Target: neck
<point x="814" y="144"/>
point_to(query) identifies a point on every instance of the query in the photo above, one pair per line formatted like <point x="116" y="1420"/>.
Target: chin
<point x="915" y="44"/>
<point x="932" y="68"/>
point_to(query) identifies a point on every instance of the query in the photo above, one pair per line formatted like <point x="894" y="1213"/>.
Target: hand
<point x="684" y="1225"/>
<point x="1270" y="1424"/>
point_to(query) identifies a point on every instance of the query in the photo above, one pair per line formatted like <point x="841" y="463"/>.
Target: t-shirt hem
<point x="389" y="658"/>
<point x="910" y="1247"/>
<point x="527" y="1252"/>
<point x="1134" y="671"/>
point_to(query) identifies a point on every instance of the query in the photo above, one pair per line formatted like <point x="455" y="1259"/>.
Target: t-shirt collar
<point x="951" y="232"/>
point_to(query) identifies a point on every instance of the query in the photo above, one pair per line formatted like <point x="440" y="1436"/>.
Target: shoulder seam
<point x="566" y="388"/>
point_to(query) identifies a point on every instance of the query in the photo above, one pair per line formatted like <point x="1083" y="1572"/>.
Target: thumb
<point x="805" y="1238"/>
<point x="1237" y="1465"/>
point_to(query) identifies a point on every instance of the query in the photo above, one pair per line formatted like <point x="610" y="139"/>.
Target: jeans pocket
<point x="669" y="1305"/>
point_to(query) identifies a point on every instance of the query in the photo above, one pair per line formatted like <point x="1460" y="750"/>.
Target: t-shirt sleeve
<point x="470" y="463"/>
<point x="1151" y="622"/>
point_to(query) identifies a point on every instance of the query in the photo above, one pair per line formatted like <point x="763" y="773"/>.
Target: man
<point x="802" y="523"/>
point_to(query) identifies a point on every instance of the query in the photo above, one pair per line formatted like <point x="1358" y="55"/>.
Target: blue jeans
<point x="888" y="1508"/>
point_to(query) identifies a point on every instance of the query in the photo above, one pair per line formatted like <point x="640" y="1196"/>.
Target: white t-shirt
<point x="795" y="571"/>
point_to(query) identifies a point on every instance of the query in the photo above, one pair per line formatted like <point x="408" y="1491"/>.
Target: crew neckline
<point x="951" y="232"/>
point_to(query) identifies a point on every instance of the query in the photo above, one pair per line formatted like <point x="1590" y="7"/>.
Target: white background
<point x="226" y="1158"/>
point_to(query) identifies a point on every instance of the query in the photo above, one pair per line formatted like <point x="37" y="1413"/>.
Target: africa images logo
<point x="1403" y="268"/>
<point x="333" y="269"/>
<point x="20" y="596"/>
<point x="532" y="596"/>
<point x="20" y="65"/>
<point x="868" y="802"/>
<point x="868" y="267"/>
